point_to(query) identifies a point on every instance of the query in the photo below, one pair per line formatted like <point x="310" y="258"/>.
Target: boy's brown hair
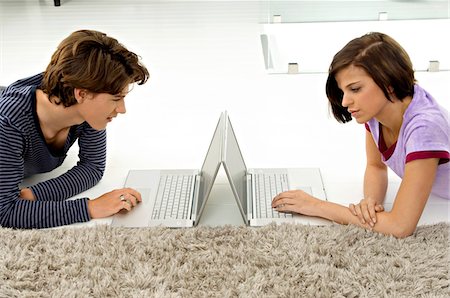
<point x="91" y="60"/>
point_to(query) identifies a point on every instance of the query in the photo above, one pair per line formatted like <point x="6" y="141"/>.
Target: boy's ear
<point x="80" y="94"/>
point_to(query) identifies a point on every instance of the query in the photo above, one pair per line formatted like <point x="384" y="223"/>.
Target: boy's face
<point x="98" y="109"/>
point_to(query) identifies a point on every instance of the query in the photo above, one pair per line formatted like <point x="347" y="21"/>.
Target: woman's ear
<point x="80" y="94"/>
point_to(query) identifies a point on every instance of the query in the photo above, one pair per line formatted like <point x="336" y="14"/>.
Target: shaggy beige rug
<point x="273" y="261"/>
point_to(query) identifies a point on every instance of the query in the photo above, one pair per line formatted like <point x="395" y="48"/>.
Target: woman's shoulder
<point x="426" y="123"/>
<point x="424" y="109"/>
<point x="423" y="103"/>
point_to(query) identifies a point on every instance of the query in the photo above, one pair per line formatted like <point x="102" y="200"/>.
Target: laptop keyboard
<point x="267" y="186"/>
<point x="173" y="198"/>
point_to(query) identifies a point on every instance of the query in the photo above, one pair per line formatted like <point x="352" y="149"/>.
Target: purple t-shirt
<point x="425" y="133"/>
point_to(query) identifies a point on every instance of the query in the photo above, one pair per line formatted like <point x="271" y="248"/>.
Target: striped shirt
<point x="24" y="152"/>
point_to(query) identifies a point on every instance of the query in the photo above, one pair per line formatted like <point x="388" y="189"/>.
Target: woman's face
<point x="363" y="98"/>
<point x="98" y="109"/>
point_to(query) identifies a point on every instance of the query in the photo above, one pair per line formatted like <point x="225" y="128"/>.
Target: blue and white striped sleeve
<point x="20" y="213"/>
<point x="87" y="173"/>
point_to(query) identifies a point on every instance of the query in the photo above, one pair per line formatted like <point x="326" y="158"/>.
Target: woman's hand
<point x="296" y="201"/>
<point x="114" y="201"/>
<point x="366" y="210"/>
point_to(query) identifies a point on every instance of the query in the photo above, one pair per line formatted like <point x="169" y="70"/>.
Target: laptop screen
<point x="210" y="166"/>
<point x="235" y="167"/>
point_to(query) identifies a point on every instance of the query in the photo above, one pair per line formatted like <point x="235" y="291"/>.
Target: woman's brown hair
<point x="382" y="58"/>
<point x="91" y="60"/>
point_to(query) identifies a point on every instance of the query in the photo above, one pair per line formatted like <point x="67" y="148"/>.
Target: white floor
<point x="204" y="57"/>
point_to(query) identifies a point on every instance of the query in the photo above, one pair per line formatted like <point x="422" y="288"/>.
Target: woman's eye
<point x="355" y="89"/>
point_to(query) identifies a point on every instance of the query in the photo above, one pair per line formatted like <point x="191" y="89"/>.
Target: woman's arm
<point x="400" y="222"/>
<point x="375" y="185"/>
<point x="411" y="198"/>
<point x="300" y="202"/>
<point x="375" y="177"/>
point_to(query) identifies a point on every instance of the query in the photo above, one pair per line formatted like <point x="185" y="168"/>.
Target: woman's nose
<point x="346" y="101"/>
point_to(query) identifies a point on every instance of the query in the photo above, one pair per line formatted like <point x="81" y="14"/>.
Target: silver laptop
<point x="254" y="189"/>
<point x="173" y="198"/>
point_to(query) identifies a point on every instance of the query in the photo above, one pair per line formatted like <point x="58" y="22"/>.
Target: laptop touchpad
<point x="306" y="189"/>
<point x="145" y="194"/>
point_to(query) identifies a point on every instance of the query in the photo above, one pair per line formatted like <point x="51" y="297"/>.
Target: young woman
<point x="41" y="117"/>
<point x="372" y="80"/>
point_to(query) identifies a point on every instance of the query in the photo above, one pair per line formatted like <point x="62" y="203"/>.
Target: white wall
<point x="203" y="58"/>
<point x="312" y="45"/>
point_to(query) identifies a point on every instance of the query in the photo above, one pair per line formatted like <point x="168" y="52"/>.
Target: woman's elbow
<point x="390" y="224"/>
<point x="403" y="230"/>
<point x="403" y="234"/>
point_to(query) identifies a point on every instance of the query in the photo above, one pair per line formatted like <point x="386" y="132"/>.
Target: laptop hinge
<point x="195" y="200"/>
<point x="249" y="197"/>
